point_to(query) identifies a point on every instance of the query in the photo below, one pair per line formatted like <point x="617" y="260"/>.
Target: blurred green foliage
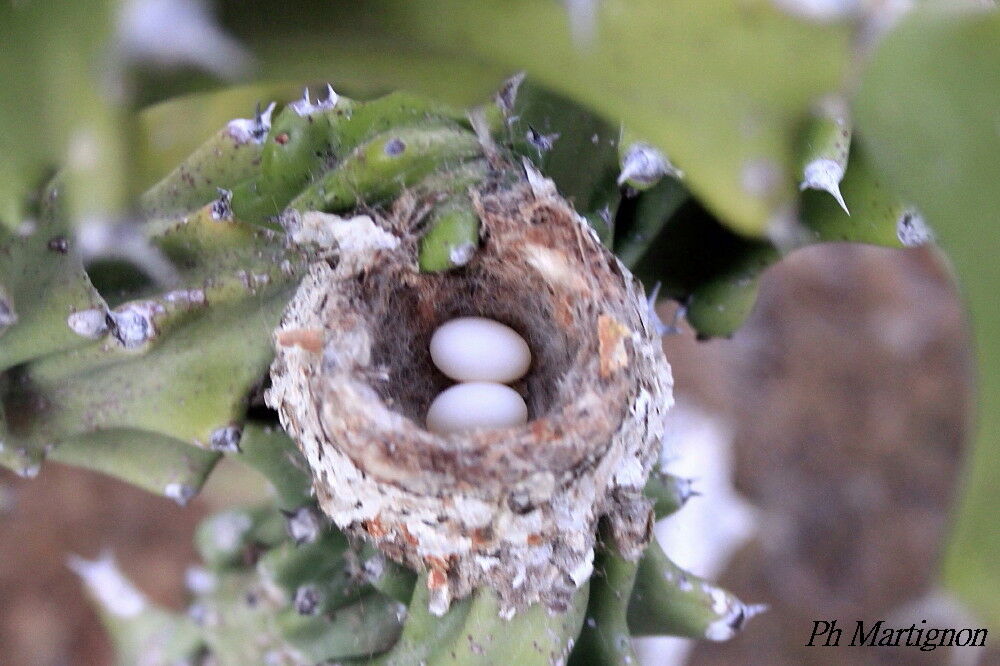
<point x="930" y="109"/>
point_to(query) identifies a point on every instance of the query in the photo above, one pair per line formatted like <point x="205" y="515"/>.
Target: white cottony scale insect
<point x="476" y="349"/>
<point x="476" y="405"/>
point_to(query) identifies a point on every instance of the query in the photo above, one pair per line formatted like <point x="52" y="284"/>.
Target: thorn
<point x="835" y="192"/>
<point x="262" y="122"/>
<point x="331" y="96"/>
<point x="540" y="185"/>
<point x="824" y="174"/>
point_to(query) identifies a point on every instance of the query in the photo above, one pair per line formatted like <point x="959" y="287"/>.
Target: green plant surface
<point x="52" y="57"/>
<point x="223" y="538"/>
<point x="41" y="285"/>
<point x="668" y="601"/>
<point x="156" y="463"/>
<point x="605" y="639"/>
<point x="267" y="449"/>
<point x="177" y="364"/>
<point x="472" y="632"/>
<point x="928" y="111"/>
<point x="720" y="86"/>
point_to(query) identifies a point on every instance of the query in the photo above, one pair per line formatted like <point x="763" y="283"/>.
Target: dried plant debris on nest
<point x="514" y="509"/>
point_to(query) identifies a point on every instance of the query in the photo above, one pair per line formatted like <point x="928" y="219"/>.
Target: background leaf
<point x="929" y="108"/>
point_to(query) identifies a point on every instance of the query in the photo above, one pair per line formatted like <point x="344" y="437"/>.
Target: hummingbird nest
<point x="513" y="509"/>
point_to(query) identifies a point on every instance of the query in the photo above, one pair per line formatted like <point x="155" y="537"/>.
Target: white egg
<point x="477" y="349"/>
<point x="476" y="405"/>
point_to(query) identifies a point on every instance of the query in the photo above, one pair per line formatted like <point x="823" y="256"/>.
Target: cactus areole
<point x="514" y="509"/>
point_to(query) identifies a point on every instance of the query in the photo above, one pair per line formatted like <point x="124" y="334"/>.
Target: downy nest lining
<point x="513" y="509"/>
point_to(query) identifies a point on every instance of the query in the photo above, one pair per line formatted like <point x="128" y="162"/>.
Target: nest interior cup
<point x="511" y="508"/>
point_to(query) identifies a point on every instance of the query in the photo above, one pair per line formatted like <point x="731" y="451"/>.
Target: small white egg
<point x="477" y="349"/>
<point x="476" y="405"/>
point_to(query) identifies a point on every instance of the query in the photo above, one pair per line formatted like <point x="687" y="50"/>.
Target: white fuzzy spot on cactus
<point x="227" y="530"/>
<point x="736" y="615"/>
<point x="307" y="599"/>
<point x="824" y="174"/>
<point x="133" y="324"/>
<point x="643" y="166"/>
<point x="29" y="471"/>
<point x="251" y="130"/>
<point x="226" y="439"/>
<point x="179" y="32"/>
<point x="185" y="296"/>
<point x="199" y="580"/>
<point x="912" y="229"/>
<point x="373" y="568"/>
<point x="303" y="525"/>
<point x="179" y="492"/>
<point x="8" y="316"/>
<point x="106" y="583"/>
<point x="92" y="324"/>
<point x="461" y="254"/>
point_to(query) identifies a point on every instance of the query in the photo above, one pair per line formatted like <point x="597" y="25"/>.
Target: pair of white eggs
<point x="483" y="355"/>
